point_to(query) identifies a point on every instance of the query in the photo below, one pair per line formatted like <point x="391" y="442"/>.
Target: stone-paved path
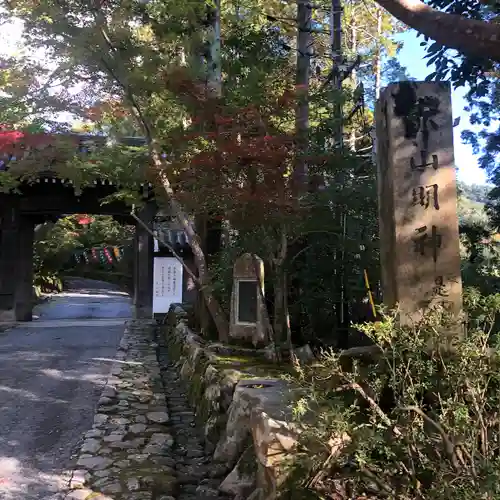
<point x="143" y="445"/>
<point x="85" y="299"/>
<point x="125" y="455"/>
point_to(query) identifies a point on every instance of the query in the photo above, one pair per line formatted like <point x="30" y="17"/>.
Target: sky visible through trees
<point x="412" y="56"/>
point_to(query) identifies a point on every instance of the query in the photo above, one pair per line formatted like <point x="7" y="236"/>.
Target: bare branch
<point x="449" y="446"/>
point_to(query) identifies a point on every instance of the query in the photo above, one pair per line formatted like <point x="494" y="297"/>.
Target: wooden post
<point x="9" y="265"/>
<point x="24" y="275"/>
<point x="143" y="264"/>
<point x="419" y="241"/>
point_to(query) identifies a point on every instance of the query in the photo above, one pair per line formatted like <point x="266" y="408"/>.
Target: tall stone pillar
<point x="9" y="261"/>
<point x="143" y="265"/>
<point x="24" y="285"/>
<point x="419" y="241"/>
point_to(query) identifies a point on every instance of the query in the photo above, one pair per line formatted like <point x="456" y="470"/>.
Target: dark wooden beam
<point x="9" y="253"/>
<point x="143" y="264"/>
<point x="24" y="272"/>
<point x="62" y="206"/>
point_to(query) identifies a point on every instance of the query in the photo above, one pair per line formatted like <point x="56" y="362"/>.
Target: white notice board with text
<point x="167" y="283"/>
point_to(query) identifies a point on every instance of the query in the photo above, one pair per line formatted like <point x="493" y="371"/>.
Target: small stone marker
<point x="246" y="300"/>
<point x="419" y="240"/>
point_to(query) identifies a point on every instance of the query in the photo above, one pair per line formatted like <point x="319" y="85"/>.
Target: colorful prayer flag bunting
<point x="118" y="253"/>
<point x="104" y="255"/>
<point x="108" y="256"/>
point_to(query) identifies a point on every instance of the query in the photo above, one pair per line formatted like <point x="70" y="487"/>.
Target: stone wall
<point x="242" y="405"/>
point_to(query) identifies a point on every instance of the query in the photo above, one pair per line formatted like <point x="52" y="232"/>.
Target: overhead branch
<point x="478" y="39"/>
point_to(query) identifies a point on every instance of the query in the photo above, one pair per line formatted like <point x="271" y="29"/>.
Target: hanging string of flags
<point x="103" y="255"/>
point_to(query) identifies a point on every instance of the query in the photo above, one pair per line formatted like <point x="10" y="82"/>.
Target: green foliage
<point x="124" y="56"/>
<point x="322" y="249"/>
<point x="27" y="101"/>
<point x="340" y="245"/>
<point x="45" y="281"/>
<point x="56" y="244"/>
<point x="123" y="166"/>
<point x="481" y="76"/>
<point x="418" y="420"/>
<point x="477" y="193"/>
<point x="479" y="244"/>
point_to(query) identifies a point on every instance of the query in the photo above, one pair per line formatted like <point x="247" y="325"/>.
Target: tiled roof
<point x="174" y="237"/>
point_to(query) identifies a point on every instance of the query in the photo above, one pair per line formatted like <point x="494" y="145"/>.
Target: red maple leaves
<point x="84" y="220"/>
<point x="237" y="160"/>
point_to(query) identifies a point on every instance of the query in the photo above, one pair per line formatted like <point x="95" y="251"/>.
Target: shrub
<point x="47" y="282"/>
<point x="418" y="419"/>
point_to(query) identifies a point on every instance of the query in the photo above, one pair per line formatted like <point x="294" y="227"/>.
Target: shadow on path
<point x="51" y="375"/>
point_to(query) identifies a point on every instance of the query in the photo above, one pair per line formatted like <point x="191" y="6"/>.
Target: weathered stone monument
<point x="419" y="240"/>
<point x="246" y="322"/>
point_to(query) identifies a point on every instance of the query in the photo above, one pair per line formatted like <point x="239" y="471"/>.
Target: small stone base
<point x="7" y="316"/>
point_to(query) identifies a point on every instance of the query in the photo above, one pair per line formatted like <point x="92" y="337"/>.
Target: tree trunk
<point x="214" y="69"/>
<point x="378" y="56"/>
<point x="301" y="180"/>
<point x="288" y="327"/>
<point x="354" y="78"/>
<point x="302" y="81"/>
<point x="202" y="313"/>
<point x="338" y="59"/>
<point x="470" y="37"/>
<point x="280" y="292"/>
<point x="202" y="281"/>
<point x="211" y="302"/>
<point x="279" y="318"/>
<point x="214" y="90"/>
<point x="160" y="166"/>
<point x="271" y="337"/>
